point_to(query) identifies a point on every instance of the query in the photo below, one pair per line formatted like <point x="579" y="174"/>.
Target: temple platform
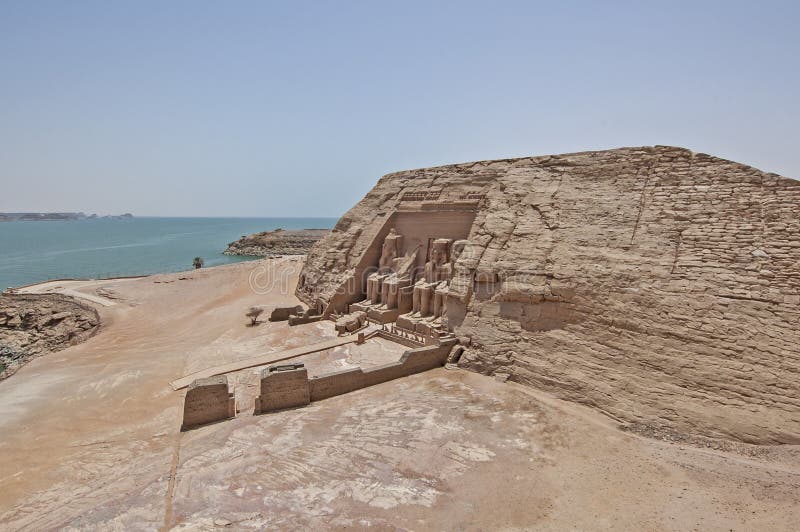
<point x="429" y="326"/>
<point x="377" y="313"/>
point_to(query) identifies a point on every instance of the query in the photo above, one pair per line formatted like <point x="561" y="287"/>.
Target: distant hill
<point x="52" y="216"/>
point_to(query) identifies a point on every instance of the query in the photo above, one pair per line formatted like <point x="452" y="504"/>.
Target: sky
<point x="195" y="108"/>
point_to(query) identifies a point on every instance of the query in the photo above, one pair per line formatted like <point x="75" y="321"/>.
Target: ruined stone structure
<point x="282" y="387"/>
<point x="289" y="386"/>
<point x="284" y="313"/>
<point x="208" y="400"/>
<point x="352" y="322"/>
<point x="297" y="315"/>
<point x="655" y="284"/>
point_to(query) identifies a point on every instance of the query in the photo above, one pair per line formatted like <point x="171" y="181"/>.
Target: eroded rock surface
<point x="658" y="285"/>
<point x="35" y="324"/>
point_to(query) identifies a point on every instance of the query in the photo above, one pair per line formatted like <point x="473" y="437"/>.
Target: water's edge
<point x="32" y="252"/>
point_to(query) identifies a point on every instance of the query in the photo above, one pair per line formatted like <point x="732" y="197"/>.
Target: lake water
<point x="36" y="251"/>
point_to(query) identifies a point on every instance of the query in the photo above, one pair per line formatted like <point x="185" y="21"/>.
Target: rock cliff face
<point x="655" y="284"/>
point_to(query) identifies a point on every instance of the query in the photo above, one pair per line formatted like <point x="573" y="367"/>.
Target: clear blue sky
<point x="297" y="108"/>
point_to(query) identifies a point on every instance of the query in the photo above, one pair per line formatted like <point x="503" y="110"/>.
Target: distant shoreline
<point x="57" y="216"/>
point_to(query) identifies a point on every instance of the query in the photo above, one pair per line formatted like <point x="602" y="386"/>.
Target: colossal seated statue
<point x="387" y="288"/>
<point x="438" y="268"/>
<point x="392" y="246"/>
<point x="431" y="291"/>
<point x="391" y="291"/>
<point x="437" y="271"/>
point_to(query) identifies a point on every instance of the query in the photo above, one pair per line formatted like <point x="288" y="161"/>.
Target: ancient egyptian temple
<point x="403" y="279"/>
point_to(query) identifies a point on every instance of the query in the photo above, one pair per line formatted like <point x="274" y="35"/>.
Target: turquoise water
<point x="36" y="251"/>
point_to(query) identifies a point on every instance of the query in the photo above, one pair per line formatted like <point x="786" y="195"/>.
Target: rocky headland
<point x="36" y="324"/>
<point x="276" y="243"/>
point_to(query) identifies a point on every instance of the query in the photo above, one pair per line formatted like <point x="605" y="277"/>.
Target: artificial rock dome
<point x="658" y="285"/>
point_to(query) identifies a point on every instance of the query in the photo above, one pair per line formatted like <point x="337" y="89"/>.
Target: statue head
<point x="390" y="249"/>
<point x="440" y="251"/>
<point x="456" y="249"/>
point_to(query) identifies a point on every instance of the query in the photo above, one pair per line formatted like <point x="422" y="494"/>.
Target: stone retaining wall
<point x="208" y="400"/>
<point x="283" y="386"/>
<point x="284" y="389"/>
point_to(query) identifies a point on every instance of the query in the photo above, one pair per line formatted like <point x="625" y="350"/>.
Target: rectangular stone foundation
<point x="383" y="316"/>
<point x="208" y="400"/>
<point x="426" y="326"/>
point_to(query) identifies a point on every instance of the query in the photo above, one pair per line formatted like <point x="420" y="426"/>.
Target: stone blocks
<point x="284" y="313"/>
<point x="208" y="400"/>
<point x="289" y="386"/>
<point x="283" y="386"/>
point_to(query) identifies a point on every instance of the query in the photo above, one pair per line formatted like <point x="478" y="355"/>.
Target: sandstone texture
<point x="35" y="324"/>
<point x="208" y="400"/>
<point x="657" y="285"/>
<point x="90" y="437"/>
<point x="277" y="242"/>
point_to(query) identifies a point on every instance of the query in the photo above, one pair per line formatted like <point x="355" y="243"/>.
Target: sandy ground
<point x="89" y="438"/>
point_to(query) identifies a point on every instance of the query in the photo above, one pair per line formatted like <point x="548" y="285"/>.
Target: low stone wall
<point x="208" y="400"/>
<point x="398" y="338"/>
<point x="297" y="315"/>
<point x="335" y="383"/>
<point x="282" y="387"/>
<point x="412" y="361"/>
<point x="291" y="387"/>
